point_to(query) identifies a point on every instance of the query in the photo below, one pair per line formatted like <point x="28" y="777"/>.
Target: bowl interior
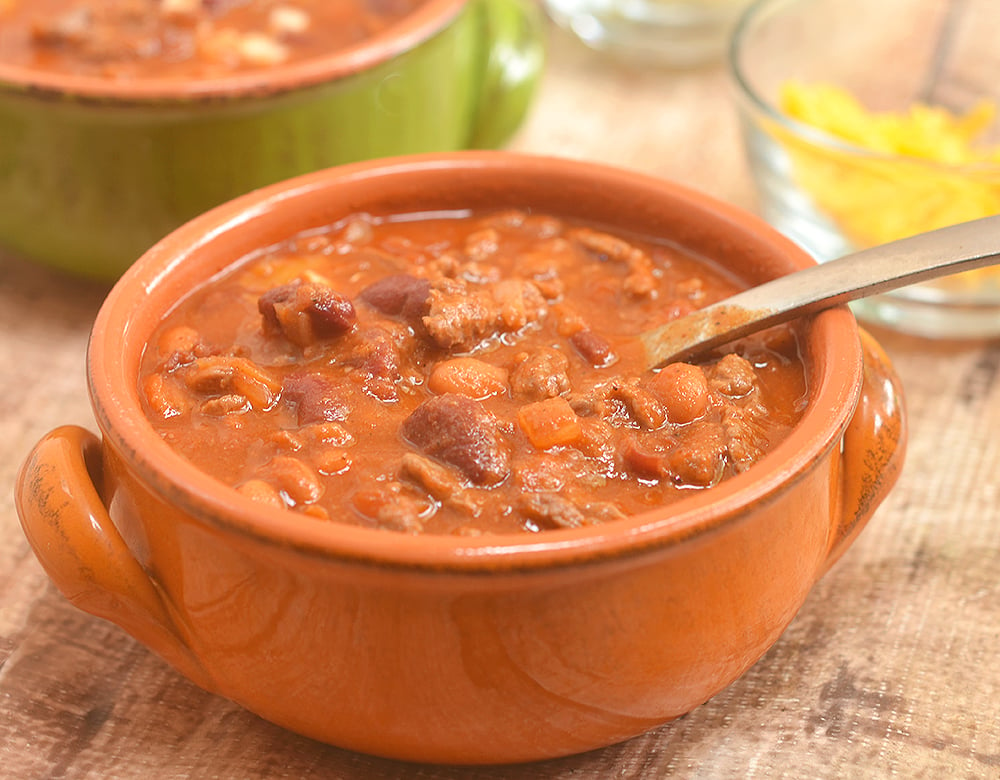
<point x="425" y="21"/>
<point x="455" y="182"/>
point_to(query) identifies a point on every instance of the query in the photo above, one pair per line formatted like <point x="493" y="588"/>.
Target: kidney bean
<point x="305" y="312"/>
<point x="399" y="295"/>
<point x="459" y="431"/>
<point x="646" y="457"/>
<point x="315" y="397"/>
<point x="593" y="348"/>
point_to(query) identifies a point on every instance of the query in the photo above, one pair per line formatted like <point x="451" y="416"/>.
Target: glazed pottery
<point x="93" y="172"/>
<point x="483" y="649"/>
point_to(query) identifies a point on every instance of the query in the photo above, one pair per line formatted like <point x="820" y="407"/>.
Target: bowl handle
<point x="874" y="444"/>
<point x="68" y="527"/>
<point x="514" y="53"/>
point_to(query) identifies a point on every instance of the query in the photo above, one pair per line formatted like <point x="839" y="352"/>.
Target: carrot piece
<point x="549" y="423"/>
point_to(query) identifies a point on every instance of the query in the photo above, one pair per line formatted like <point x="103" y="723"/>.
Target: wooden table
<point x="890" y="669"/>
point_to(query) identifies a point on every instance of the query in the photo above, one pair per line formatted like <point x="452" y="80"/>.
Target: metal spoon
<point x="942" y="252"/>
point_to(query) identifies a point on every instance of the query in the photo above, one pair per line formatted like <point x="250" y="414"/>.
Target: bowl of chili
<point x="121" y="120"/>
<point x="376" y="462"/>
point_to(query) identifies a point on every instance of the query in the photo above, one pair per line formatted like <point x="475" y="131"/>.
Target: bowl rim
<point x="832" y="335"/>
<point x="753" y="100"/>
<point x="430" y="18"/>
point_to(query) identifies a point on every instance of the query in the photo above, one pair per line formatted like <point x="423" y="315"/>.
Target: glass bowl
<point x="659" y="33"/>
<point x="865" y="122"/>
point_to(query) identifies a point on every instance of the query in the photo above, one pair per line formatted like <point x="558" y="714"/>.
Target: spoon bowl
<point x="937" y="253"/>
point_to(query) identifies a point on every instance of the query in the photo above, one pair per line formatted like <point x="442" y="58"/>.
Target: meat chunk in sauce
<point x="464" y="375"/>
<point x="540" y="374"/>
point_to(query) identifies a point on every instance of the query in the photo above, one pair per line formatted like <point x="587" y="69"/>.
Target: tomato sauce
<point x="462" y="374"/>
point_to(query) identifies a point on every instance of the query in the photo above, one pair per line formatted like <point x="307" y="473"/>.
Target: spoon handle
<point x="881" y="268"/>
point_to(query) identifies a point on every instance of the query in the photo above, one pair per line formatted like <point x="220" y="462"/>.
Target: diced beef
<point x="438" y="480"/>
<point x="540" y="374"/>
<point x="732" y="376"/>
<point x="393" y="507"/>
<point x="461" y="315"/>
<point x="746" y="441"/>
<point x="551" y="510"/>
<point x="642" y="406"/>
<point x="700" y="457"/>
<point x="459" y="431"/>
<point x="697" y="459"/>
<point x="458" y="317"/>
<point x="640" y="280"/>
<point x="377" y="357"/>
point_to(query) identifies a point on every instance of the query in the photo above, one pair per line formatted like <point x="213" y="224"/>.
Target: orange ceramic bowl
<point x="457" y="649"/>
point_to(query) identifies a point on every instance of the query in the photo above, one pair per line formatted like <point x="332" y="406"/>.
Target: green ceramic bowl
<point x="93" y="172"/>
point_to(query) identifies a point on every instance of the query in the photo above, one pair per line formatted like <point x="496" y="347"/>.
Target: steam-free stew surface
<point x="122" y="39"/>
<point x="461" y="375"/>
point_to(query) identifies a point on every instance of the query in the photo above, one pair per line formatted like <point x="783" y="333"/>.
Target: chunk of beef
<point x="642" y="406"/>
<point x="640" y="280"/>
<point x="459" y="431"/>
<point x="700" y="458"/>
<point x="461" y="316"/>
<point x="220" y="375"/>
<point x="441" y="482"/>
<point x="305" y="312"/>
<point x="377" y="357"/>
<point x="393" y="507"/>
<point x="745" y="438"/>
<point x="458" y="317"/>
<point x="555" y="510"/>
<point x="540" y="374"/>
<point x="732" y="376"/>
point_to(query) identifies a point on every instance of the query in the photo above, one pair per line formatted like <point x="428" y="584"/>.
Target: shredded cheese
<point x="927" y="169"/>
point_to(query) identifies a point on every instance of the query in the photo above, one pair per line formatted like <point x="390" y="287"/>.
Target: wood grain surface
<point x="889" y="670"/>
